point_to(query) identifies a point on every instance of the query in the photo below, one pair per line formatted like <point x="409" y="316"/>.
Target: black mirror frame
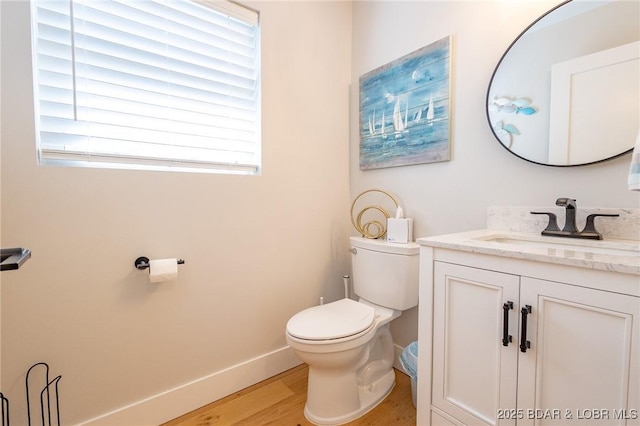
<point x="489" y="90"/>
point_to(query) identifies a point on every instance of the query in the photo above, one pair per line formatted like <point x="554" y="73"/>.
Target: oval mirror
<point x="567" y="90"/>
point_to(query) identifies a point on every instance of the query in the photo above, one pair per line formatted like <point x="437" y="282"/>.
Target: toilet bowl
<point x="350" y="369"/>
<point x="347" y="344"/>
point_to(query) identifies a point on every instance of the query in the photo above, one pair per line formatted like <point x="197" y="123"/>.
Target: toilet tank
<point x="385" y="273"/>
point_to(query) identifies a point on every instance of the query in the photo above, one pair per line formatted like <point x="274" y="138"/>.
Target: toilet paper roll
<point x="161" y="270"/>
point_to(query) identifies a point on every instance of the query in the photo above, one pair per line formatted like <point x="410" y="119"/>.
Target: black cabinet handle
<point x="524" y="343"/>
<point x="506" y="338"/>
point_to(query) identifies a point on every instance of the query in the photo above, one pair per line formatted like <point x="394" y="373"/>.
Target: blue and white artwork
<point x="404" y="109"/>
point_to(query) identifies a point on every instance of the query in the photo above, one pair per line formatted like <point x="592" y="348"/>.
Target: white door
<point x="583" y="363"/>
<point x="474" y="374"/>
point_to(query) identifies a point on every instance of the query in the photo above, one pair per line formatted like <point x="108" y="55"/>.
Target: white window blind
<point x="147" y="84"/>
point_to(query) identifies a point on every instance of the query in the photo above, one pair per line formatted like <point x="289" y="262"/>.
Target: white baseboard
<point x="190" y="396"/>
<point x="396" y="359"/>
<point x="175" y="402"/>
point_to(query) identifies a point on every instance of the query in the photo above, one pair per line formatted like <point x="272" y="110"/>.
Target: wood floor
<point x="279" y="401"/>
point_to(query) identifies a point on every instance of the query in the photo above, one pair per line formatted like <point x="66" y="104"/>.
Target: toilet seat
<point x="331" y="321"/>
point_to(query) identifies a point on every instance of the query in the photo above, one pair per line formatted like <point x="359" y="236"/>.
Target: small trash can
<point x="409" y="361"/>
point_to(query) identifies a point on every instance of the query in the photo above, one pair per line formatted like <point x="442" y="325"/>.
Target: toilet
<point x="347" y="344"/>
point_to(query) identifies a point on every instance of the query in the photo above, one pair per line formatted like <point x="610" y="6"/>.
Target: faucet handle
<point x="569" y="203"/>
<point x="589" y="230"/>
<point x="553" y="221"/>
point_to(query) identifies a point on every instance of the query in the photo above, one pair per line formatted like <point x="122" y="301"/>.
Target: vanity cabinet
<point x="514" y="341"/>
<point x="512" y="349"/>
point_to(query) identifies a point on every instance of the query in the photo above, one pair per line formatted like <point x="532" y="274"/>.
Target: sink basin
<point x="583" y="246"/>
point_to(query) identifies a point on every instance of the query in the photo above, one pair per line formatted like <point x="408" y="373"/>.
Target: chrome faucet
<point x="570" y="230"/>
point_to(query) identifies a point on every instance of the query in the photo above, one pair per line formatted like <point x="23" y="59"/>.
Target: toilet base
<point x="345" y="385"/>
<point x="370" y="396"/>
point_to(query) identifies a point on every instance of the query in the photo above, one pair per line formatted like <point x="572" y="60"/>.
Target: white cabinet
<point x="584" y="358"/>
<point x="575" y="361"/>
<point x="474" y="374"/>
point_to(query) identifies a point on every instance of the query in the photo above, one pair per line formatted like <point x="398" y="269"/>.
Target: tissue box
<point x="400" y="230"/>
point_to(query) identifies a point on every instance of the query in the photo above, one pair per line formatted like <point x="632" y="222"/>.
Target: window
<point x="147" y="84"/>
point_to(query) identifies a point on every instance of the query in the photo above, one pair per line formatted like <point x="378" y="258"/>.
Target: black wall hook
<point x="142" y="262"/>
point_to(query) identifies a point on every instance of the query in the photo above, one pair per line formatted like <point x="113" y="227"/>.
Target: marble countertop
<point x="617" y="255"/>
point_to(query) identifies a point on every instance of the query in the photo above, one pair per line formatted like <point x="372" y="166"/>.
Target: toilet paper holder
<point x="142" y="262"/>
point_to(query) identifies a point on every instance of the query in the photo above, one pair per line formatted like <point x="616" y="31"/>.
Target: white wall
<point x="452" y="196"/>
<point x="257" y="249"/>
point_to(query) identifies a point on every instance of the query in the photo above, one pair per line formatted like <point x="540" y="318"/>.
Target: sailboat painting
<point x="404" y="109"/>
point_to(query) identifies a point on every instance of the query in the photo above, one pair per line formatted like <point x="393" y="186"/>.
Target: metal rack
<point x="47" y="393"/>
<point x="5" y="410"/>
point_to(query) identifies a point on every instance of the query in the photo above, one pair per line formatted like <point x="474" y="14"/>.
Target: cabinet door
<point x="583" y="363"/>
<point x="474" y="375"/>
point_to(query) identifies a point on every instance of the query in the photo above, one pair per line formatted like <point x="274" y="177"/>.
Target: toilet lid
<point x="333" y="320"/>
